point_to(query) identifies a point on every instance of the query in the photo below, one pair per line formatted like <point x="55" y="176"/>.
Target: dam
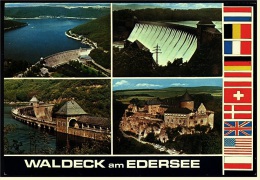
<point x="169" y="41"/>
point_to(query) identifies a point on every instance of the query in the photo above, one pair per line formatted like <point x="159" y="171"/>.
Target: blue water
<point x="41" y="38"/>
<point x="25" y="134"/>
<point x="47" y="142"/>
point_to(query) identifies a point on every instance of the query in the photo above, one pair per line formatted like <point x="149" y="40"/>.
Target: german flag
<point x="237" y="31"/>
<point x="237" y="63"/>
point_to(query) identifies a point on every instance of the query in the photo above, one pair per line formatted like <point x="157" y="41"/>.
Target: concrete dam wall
<point x="175" y="41"/>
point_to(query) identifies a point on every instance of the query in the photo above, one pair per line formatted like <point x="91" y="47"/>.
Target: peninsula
<point x="10" y="25"/>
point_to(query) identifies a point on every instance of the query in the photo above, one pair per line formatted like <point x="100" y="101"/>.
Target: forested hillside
<point x="97" y="30"/>
<point x="33" y="12"/>
<point x="9" y="24"/>
<point x="92" y="95"/>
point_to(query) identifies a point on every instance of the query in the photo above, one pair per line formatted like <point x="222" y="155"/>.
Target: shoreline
<point x="84" y="40"/>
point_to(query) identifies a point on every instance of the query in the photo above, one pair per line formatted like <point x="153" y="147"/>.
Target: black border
<point x="9" y="161"/>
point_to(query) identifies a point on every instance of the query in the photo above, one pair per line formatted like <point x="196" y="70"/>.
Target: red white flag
<point x="237" y="111"/>
<point x="238" y="163"/>
<point x="237" y="74"/>
<point x="237" y="95"/>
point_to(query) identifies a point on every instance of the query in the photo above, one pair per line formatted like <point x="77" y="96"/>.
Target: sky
<point x="123" y="84"/>
<point x="56" y="4"/>
<point x="117" y="6"/>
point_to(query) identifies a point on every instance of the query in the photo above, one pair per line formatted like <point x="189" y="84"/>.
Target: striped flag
<point x="238" y="146"/>
<point x="237" y="63"/>
<point x="237" y="95"/>
<point x="237" y="74"/>
<point x="237" y="14"/>
<point x="238" y="162"/>
<point x="237" y="47"/>
<point x="237" y="111"/>
<point x="237" y="31"/>
<point x="237" y="128"/>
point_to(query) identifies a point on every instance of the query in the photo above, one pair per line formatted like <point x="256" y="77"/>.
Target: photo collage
<point x="116" y="78"/>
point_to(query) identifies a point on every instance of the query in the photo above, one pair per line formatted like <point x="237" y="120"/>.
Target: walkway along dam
<point x="70" y="119"/>
<point x="174" y="41"/>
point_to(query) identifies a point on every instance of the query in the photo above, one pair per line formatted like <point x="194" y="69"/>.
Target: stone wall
<point x="102" y="136"/>
<point x="43" y="112"/>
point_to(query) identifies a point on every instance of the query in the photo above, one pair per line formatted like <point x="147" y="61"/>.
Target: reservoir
<point x="41" y="38"/>
<point x="34" y="140"/>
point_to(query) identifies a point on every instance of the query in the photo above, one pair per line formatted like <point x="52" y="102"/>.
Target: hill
<point x="97" y="30"/>
<point x="9" y="24"/>
<point x="33" y="12"/>
<point x="92" y="95"/>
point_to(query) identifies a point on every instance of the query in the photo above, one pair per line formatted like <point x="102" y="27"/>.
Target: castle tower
<point x="187" y="101"/>
<point x="68" y="115"/>
<point x="34" y="102"/>
<point x="202" y="26"/>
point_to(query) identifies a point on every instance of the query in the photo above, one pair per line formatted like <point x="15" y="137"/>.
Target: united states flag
<point x="238" y="146"/>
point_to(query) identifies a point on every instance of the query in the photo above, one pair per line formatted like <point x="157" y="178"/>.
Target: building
<point x="69" y="119"/>
<point x="157" y="117"/>
<point x="72" y="119"/>
<point x="186" y="116"/>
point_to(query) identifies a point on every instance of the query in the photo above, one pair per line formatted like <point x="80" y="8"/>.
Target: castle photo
<point x="168" y="118"/>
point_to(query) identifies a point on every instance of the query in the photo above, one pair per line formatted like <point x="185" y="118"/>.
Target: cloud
<point x="147" y="85"/>
<point x="121" y="83"/>
<point x="200" y="6"/>
<point x="179" y="84"/>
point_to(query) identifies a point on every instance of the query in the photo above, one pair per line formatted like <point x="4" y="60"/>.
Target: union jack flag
<point x="237" y="128"/>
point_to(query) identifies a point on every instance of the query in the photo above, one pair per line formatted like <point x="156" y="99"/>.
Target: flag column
<point x="237" y="89"/>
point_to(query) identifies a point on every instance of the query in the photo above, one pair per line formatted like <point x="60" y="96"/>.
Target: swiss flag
<point x="237" y="95"/>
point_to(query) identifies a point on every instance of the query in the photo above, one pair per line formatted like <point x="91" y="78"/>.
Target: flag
<point x="237" y="47"/>
<point x="237" y="14"/>
<point x="238" y="146"/>
<point x="237" y="128"/>
<point x="237" y="63"/>
<point x="237" y="74"/>
<point x="237" y="95"/>
<point x="237" y="31"/>
<point x="238" y="162"/>
<point x="237" y="111"/>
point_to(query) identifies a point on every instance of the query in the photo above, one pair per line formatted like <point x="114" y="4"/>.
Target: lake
<point x="41" y="38"/>
<point x="41" y="141"/>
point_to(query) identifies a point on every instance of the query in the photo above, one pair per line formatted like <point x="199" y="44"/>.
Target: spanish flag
<point x="237" y="63"/>
<point x="237" y="31"/>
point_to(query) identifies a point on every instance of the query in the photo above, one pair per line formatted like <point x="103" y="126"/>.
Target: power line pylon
<point x="157" y="50"/>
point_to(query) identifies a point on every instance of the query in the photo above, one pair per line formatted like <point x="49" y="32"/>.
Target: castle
<point x="155" y="117"/>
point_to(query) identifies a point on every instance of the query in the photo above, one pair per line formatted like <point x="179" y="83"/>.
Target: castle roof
<point x="205" y="22"/>
<point x="96" y="121"/>
<point x="178" y="110"/>
<point x="71" y="108"/>
<point x="186" y="97"/>
<point x="34" y="99"/>
<point x="153" y="102"/>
